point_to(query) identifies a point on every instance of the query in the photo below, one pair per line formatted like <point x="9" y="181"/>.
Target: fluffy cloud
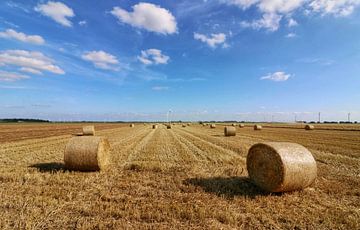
<point x="58" y="11"/>
<point x="11" y="76"/>
<point x="270" y="21"/>
<point x="101" y="60"/>
<point x="277" y="76"/>
<point x="153" y="56"/>
<point x="148" y="16"/>
<point x="213" y="40"/>
<point x="268" y="6"/>
<point x="83" y="23"/>
<point x="29" y="59"/>
<point x="335" y="7"/>
<point x="12" y="34"/>
<point x="290" y="35"/>
<point x="274" y="10"/>
<point x="292" y="22"/>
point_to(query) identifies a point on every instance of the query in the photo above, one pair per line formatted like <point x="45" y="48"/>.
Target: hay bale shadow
<point x="228" y="187"/>
<point x="51" y="167"/>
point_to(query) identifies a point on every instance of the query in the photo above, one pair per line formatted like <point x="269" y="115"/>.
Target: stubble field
<point x="177" y="178"/>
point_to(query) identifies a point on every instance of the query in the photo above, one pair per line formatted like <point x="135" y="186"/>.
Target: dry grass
<point x="178" y="178"/>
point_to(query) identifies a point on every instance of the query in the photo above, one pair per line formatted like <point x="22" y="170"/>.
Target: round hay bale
<point x="241" y="126"/>
<point x="87" y="153"/>
<point x="257" y="127"/>
<point x="281" y="166"/>
<point x="168" y="126"/>
<point x="132" y="125"/>
<point x="183" y="125"/>
<point x="88" y="130"/>
<point x="309" y="127"/>
<point x="212" y="126"/>
<point x="229" y="131"/>
<point x="154" y="126"/>
<point x="233" y="124"/>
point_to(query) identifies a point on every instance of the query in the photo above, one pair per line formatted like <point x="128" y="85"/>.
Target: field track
<point x="191" y="177"/>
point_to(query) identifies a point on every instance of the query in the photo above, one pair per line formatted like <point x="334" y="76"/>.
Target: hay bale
<point x="88" y="130"/>
<point x="257" y="127"/>
<point x="229" y="131"/>
<point x="87" y="153"/>
<point x="241" y="126"/>
<point x="183" y="125"/>
<point x="281" y="166"/>
<point x="309" y="127"/>
<point x="212" y="126"/>
<point x="168" y="126"/>
<point x="132" y="125"/>
<point x="233" y="124"/>
<point x="154" y="126"/>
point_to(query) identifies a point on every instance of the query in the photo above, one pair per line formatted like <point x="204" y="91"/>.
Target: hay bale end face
<point x="257" y="127"/>
<point x="233" y="124"/>
<point x="154" y="126"/>
<point x="87" y="153"/>
<point x="281" y="166"/>
<point x="229" y="131"/>
<point x="212" y="126"/>
<point x="132" y="125"/>
<point x="88" y="130"/>
<point x="241" y="126"/>
<point x="309" y="127"/>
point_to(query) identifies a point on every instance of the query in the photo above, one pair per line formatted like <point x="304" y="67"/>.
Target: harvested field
<point x="173" y="178"/>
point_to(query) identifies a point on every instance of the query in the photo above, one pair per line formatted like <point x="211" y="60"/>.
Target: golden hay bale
<point x="154" y="126"/>
<point x="212" y="126"/>
<point x="188" y="124"/>
<point x="132" y="125"/>
<point x="241" y="126"/>
<point x="309" y="127"/>
<point x="87" y="153"/>
<point x="257" y="127"/>
<point x="233" y="124"/>
<point x="229" y="131"/>
<point x="183" y="125"/>
<point x="168" y="126"/>
<point x="281" y="166"/>
<point x="88" y="130"/>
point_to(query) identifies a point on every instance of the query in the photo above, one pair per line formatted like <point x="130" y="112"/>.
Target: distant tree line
<point x="22" y="120"/>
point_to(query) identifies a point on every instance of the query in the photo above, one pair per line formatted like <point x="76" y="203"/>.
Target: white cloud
<point x="290" y="35"/>
<point x="82" y="23"/>
<point x="11" y="76"/>
<point x="292" y="22"/>
<point x="160" y="88"/>
<point x="101" y="60"/>
<point x="269" y="21"/>
<point x="148" y="16"/>
<point x="30" y="70"/>
<point x="12" y="34"/>
<point x="29" y="59"/>
<point x="213" y="40"/>
<point x="153" y="56"/>
<point x="274" y="10"/>
<point x="279" y="6"/>
<point x="268" y="6"/>
<point x="335" y="7"/>
<point x="277" y="76"/>
<point x="58" y="11"/>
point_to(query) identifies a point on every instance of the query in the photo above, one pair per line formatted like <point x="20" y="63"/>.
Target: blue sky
<point x="217" y="59"/>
